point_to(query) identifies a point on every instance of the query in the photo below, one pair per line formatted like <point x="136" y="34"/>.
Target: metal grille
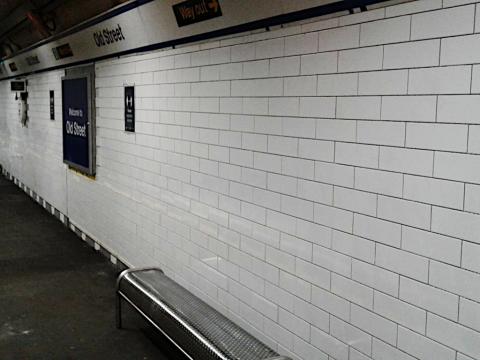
<point x="229" y="339"/>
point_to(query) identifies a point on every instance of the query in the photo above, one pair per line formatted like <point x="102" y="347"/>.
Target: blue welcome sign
<point x="77" y="124"/>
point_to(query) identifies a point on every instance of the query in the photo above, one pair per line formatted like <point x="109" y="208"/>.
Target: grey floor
<point x="57" y="293"/>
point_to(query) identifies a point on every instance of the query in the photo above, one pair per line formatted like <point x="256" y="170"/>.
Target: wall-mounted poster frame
<point x="78" y="120"/>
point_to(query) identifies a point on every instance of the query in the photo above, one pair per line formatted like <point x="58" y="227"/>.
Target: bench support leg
<point x="119" y="311"/>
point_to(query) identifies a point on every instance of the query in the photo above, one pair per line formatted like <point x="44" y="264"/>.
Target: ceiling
<point x="26" y="22"/>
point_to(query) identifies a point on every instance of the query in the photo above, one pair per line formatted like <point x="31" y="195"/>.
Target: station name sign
<point x="77" y="124"/>
<point x="108" y="36"/>
<point x="194" y="11"/>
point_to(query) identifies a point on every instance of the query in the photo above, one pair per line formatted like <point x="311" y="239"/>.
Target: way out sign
<point x="194" y="11"/>
<point x="129" y="108"/>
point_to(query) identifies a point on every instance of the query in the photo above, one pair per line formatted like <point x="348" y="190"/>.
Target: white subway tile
<point x="431" y="245"/>
<point x="297" y="207"/>
<point x="211" y="88"/>
<point x="353" y="246"/>
<point x="459" y="109"/>
<point x="374" y="324"/>
<point x="377" y="230"/>
<point x="385" y="31"/>
<point x="294" y="166"/>
<point x="434" y="191"/>
<point x="375" y="277"/>
<point x="254" y="142"/>
<point x="402" y="262"/>
<point x="329" y="344"/>
<point x="331" y="303"/>
<point x="296" y="246"/>
<point x="337" y="84"/>
<point x="363" y="59"/>
<point x="458" y="281"/>
<point x="469" y="314"/>
<point x="314" y="233"/>
<point x="334" y="174"/>
<point x="267" y="199"/>
<point x="352" y="291"/>
<point x="260" y="87"/>
<point x="230" y="71"/>
<point x="312" y="273"/>
<point x="283" y="145"/>
<point x="456" y="223"/>
<point x="283" y="184"/>
<point x="281" y="221"/>
<point x="333" y="129"/>
<point x="474" y="139"/>
<point x="422" y="347"/>
<point x="382" y="351"/>
<point x="332" y="260"/>
<point x="351" y="335"/>
<point x="429" y="298"/>
<point x="357" y="154"/>
<point x="301" y="44"/>
<point x="256" y="69"/>
<point x="356" y="201"/>
<point x="380" y="182"/>
<point x="339" y="38"/>
<point x="320" y="63"/>
<point x="447" y="22"/>
<point x="299" y="86"/>
<point x="391" y="82"/>
<point x="333" y="217"/>
<point x="316" y="149"/>
<point x="307" y="351"/>
<point x="267" y="125"/>
<point x="270" y="48"/>
<point x="400" y="312"/>
<point x="440" y="80"/>
<point x="381" y="133"/>
<point x="453" y="335"/>
<point x="411" y="54"/>
<point x="460" y="50"/>
<point x="315" y="191"/>
<point x="470" y="256"/>
<point x="409" y="108"/>
<point x="298" y="127"/>
<point x="437" y="137"/>
<point x="365" y="107"/>
<point x="406" y="160"/>
<point x="317" y="106"/>
<point x="285" y="66"/>
<point x="284" y="106"/>
<point x="280" y="259"/>
<point x="294" y="324"/>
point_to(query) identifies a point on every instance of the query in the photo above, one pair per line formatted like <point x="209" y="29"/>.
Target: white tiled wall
<point x="319" y="184"/>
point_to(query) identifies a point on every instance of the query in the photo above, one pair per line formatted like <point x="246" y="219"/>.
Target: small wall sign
<point x="52" y="105"/>
<point x="129" y="108"/>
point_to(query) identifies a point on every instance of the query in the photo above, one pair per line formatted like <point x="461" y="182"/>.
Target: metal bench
<point x="197" y="329"/>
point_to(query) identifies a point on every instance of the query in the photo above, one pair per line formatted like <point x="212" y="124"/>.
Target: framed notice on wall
<point x="79" y="120"/>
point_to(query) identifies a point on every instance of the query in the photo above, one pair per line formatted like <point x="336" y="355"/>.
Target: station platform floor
<point x="57" y="294"/>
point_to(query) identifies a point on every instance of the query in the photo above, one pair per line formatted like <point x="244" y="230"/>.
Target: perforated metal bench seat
<point x="197" y="329"/>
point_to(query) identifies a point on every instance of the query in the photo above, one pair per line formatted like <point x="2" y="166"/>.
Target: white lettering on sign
<point x="73" y="128"/>
<point x="75" y="112"/>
